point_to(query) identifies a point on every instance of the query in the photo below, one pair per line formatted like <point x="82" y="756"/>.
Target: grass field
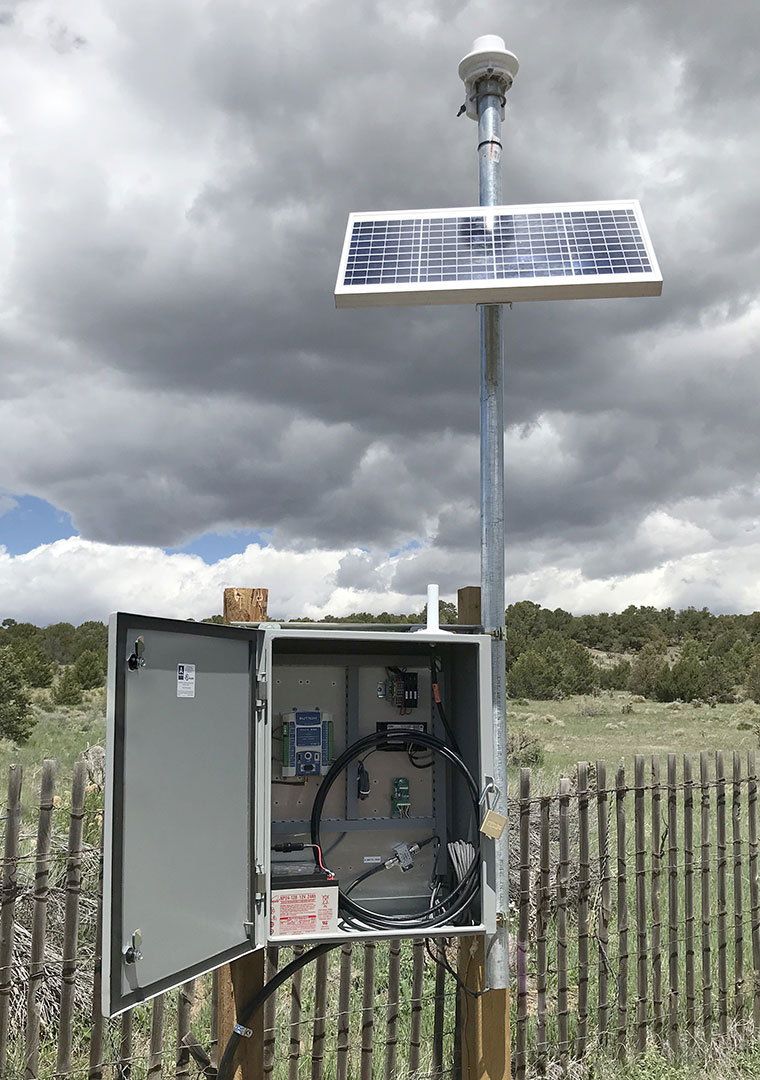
<point x="611" y="726"/>
<point x="62" y="734"/>
<point x="607" y="727"/>
<point x="615" y="725"/>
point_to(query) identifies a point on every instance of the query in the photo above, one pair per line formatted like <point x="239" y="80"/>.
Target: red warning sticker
<point x="304" y="911"/>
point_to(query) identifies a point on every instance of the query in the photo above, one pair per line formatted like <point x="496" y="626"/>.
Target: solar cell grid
<point x="547" y="244"/>
<point x="442" y="256"/>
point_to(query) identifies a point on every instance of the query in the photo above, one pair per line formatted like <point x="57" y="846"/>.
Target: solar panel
<point x="497" y="254"/>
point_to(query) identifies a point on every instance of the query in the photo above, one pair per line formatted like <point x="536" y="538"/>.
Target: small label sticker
<point x="185" y="680"/>
<point x="373" y="858"/>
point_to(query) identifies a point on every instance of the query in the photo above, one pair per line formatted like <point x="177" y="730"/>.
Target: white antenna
<point x="433" y="614"/>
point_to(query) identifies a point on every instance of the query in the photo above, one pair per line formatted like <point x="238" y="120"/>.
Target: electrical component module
<point x="400" y="801"/>
<point x="307" y="742"/>
<point x="401" y="689"/>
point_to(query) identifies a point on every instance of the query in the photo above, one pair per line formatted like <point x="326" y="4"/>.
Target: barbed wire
<point x="594" y="794"/>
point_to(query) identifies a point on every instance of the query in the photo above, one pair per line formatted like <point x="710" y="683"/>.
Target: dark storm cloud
<point x="178" y="212"/>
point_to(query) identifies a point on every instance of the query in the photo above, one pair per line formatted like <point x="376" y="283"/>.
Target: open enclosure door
<point x="178" y="893"/>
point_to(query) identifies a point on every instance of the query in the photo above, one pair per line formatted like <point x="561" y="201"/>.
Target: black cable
<point x="443" y="962"/>
<point x="226" y="1071"/>
<point x="363" y="877"/>
<point x="383" y="865"/>
<point x="436" y="666"/>
<point x="450" y="907"/>
<point x="425" y="765"/>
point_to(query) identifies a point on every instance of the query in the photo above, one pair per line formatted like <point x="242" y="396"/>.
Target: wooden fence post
<point x="270" y="1012"/>
<point x="622" y="913"/>
<point x="8" y="904"/>
<point x="673" y="967"/>
<point x="439" y="1011"/>
<point x="97" y="1020"/>
<point x="71" y="920"/>
<point x="185" y="999"/>
<point x="605" y="902"/>
<point x="738" y="891"/>
<point x="415" y="1019"/>
<point x="344" y="1013"/>
<point x="521" y="1055"/>
<point x="688" y="893"/>
<point x="584" y="889"/>
<point x="156" y="1045"/>
<point x="543" y="905"/>
<point x="655" y="900"/>
<point x="391" y="1016"/>
<point x="563" y="876"/>
<point x="485" y="1035"/>
<point x="368" y="1009"/>
<point x="294" y="1051"/>
<point x="754" y="886"/>
<point x="319" y="1030"/>
<point x="39" y="925"/>
<point x="241" y="979"/>
<point x="704" y="781"/>
<point x="641" y="904"/>
<point x="720" y="798"/>
<point x="123" y="1068"/>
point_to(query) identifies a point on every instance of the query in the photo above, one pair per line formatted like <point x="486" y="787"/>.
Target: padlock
<point x="493" y="824"/>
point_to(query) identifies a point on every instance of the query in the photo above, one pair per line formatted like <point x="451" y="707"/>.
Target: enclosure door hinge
<point x="262" y="697"/>
<point x="259" y="886"/>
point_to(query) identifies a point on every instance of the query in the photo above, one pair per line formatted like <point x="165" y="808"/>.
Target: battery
<point x="303" y="904"/>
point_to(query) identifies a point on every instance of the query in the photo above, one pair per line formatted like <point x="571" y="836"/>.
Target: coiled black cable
<point x="443" y="911"/>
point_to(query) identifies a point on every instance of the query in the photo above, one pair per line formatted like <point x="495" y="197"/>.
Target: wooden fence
<point x="636" y="916"/>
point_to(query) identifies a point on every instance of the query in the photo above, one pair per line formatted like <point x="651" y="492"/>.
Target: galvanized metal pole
<point x="490" y="99"/>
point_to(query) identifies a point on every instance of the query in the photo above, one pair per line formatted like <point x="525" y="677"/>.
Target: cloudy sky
<point x="182" y="407"/>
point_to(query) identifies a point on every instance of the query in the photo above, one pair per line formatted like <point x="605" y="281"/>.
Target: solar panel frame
<point x="422" y="257"/>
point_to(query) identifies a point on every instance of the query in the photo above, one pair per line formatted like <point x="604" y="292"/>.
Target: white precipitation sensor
<point x="489" y="59"/>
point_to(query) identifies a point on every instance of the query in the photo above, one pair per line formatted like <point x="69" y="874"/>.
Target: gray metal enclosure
<point x="194" y="765"/>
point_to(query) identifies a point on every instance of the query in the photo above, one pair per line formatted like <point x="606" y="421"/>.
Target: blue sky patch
<point x="30" y="522"/>
<point x="212" y="546"/>
<point x="412" y="545"/>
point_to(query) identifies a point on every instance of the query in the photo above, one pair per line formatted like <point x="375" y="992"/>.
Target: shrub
<point x="591" y="707"/>
<point x="616" y="677"/>
<point x="523" y="749"/>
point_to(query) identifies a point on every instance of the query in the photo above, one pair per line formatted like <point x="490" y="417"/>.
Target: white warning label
<point x="304" y="911"/>
<point x="185" y="680"/>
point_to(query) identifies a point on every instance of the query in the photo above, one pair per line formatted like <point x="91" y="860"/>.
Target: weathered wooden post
<point x="240" y="980"/>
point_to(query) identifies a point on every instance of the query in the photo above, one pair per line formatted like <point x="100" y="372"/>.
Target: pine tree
<point x="67" y="690"/>
<point x="15" y="704"/>
<point x="89" y="669"/>
<point x="37" y="667"/>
